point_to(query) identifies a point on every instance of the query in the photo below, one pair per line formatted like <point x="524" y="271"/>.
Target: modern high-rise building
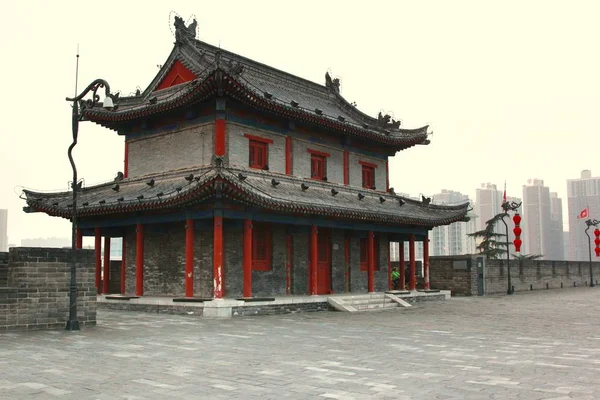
<point x="542" y="221"/>
<point x="451" y="240"/>
<point x="581" y="194"/>
<point x="487" y="205"/>
<point x="3" y="230"/>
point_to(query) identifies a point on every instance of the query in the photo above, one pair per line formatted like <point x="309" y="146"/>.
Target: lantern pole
<point x="508" y="206"/>
<point x="589" y="223"/>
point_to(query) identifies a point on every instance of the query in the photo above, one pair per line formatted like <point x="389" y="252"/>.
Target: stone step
<point x="359" y="296"/>
<point x="369" y="307"/>
<point x="368" y="301"/>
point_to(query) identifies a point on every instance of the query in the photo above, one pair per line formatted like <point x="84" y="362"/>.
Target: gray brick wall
<point x="3" y="268"/>
<point x="171" y="150"/>
<point x="37" y="291"/>
<point x="526" y="275"/>
<point x="355" y="170"/>
<point x="164" y="260"/>
<point x="238" y="148"/>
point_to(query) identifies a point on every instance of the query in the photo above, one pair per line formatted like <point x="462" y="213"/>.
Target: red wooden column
<point x="78" y="239"/>
<point x="371" y="261"/>
<point x="288" y="155"/>
<point x="106" y="281"/>
<point x="139" y="260"/>
<point x="313" y="259"/>
<point x="126" y="161"/>
<point x="247" y="258"/>
<point x="123" y="263"/>
<point x="413" y="263"/>
<point x="189" y="257"/>
<point x="426" y="261"/>
<point x="288" y="264"/>
<point x="98" y="249"/>
<point x="401" y="266"/>
<point x="218" y="257"/>
<point x="346" y="168"/>
<point x="220" y="136"/>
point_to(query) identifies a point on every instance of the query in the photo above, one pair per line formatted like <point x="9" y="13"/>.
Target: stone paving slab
<point x="538" y="345"/>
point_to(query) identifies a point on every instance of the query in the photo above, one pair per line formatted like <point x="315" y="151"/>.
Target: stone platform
<point x="226" y="308"/>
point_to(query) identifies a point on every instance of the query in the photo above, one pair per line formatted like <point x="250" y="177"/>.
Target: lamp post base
<point x="72" y="325"/>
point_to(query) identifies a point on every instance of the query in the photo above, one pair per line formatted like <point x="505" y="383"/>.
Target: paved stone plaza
<point x="538" y="345"/>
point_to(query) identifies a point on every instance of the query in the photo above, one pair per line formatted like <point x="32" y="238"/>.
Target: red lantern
<point x="597" y="241"/>
<point x="517" y="231"/>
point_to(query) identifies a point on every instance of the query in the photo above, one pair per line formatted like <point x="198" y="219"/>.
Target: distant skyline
<point x="509" y="92"/>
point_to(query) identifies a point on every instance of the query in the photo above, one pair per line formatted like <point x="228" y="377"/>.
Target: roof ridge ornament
<point x="183" y="33"/>
<point x="332" y="84"/>
<point x="383" y="122"/>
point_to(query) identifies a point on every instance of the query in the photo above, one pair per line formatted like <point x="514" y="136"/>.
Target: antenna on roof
<point x="77" y="70"/>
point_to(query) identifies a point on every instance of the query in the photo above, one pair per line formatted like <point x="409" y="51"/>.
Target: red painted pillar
<point x="346" y="168"/>
<point x="371" y="261"/>
<point x="247" y="258"/>
<point x="126" y="161"/>
<point x="123" y="263"/>
<point x="78" y="239"/>
<point x="139" y="260"/>
<point x="288" y="264"/>
<point x="218" y="258"/>
<point x="401" y="266"/>
<point x="189" y="257"/>
<point x="288" y="155"/>
<point x="106" y="280"/>
<point x="413" y="263"/>
<point x="220" y="136"/>
<point x="98" y="249"/>
<point x="313" y="260"/>
<point x="426" y="261"/>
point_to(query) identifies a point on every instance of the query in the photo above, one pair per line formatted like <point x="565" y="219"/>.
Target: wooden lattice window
<point x="368" y="176"/>
<point x="318" y="165"/>
<point x="258" y="152"/>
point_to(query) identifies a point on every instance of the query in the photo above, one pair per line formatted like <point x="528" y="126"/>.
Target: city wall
<point x="35" y="291"/>
<point x="460" y="274"/>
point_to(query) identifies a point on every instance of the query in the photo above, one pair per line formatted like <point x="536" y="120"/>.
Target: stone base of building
<point x="227" y="308"/>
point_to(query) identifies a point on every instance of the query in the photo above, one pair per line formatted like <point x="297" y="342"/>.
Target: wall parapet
<point x="36" y="293"/>
<point x="459" y="274"/>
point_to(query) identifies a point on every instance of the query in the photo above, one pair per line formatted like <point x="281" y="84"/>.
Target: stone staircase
<point x="366" y="302"/>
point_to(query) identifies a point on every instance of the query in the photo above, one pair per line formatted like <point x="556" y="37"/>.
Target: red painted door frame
<point x="123" y="264"/>
<point x="139" y="260"/>
<point x="426" y="261"/>
<point x="98" y="249"/>
<point x="247" y="258"/>
<point x="413" y="263"/>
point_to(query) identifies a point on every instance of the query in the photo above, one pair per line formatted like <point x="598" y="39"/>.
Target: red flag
<point x="504" y="197"/>
<point x="583" y="214"/>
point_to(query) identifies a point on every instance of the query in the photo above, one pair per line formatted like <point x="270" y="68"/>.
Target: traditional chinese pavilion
<point x="242" y="180"/>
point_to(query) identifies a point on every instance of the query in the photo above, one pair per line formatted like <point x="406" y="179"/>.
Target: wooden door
<point x="323" y="261"/>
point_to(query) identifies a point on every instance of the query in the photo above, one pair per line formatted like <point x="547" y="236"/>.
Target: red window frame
<point x="318" y="164"/>
<point x="318" y="167"/>
<point x="261" y="247"/>
<point x="258" y="151"/>
<point x="364" y="254"/>
<point x="368" y="176"/>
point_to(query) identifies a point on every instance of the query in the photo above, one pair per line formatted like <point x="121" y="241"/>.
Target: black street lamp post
<point x="590" y="223"/>
<point x="78" y="106"/>
<point x="508" y="206"/>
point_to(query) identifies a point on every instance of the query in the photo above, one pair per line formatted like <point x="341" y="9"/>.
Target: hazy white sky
<point x="509" y="88"/>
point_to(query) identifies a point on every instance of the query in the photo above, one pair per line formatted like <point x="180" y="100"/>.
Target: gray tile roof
<point x="258" y="85"/>
<point x="255" y="188"/>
